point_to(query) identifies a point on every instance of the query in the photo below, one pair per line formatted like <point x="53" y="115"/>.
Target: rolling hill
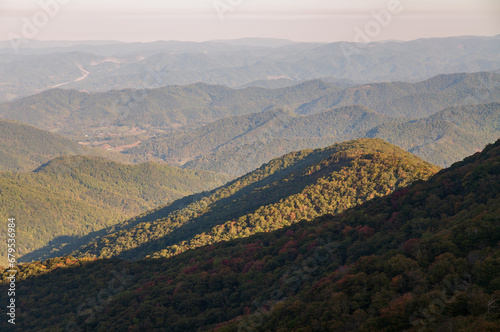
<point x="417" y="100"/>
<point x="228" y="144"/>
<point x="299" y="185"/>
<point x="446" y="136"/>
<point x="250" y="185"/>
<point x="216" y="128"/>
<point x="423" y="257"/>
<point x="76" y="114"/>
<point x="72" y="196"/>
<point x="24" y="147"/>
<point x="249" y="141"/>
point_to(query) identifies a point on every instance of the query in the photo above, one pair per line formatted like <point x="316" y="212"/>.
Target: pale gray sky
<point x="199" y="20"/>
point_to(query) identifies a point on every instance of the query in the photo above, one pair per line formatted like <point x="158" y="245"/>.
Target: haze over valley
<point x="250" y="166"/>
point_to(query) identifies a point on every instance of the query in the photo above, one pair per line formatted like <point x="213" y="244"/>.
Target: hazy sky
<point x="199" y="20"/>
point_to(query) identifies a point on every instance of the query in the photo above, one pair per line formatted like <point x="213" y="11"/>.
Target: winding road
<point x="84" y="76"/>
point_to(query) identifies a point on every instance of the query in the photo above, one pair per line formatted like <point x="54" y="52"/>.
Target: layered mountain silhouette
<point x="422" y="257"/>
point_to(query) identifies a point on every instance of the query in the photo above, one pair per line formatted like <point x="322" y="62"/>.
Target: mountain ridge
<point x="383" y="265"/>
<point x="372" y="162"/>
<point x="71" y="196"/>
<point x="24" y="147"/>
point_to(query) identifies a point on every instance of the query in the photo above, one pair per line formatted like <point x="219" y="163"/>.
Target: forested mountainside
<point x="425" y="257"/>
<point x="79" y="113"/>
<point x="226" y="144"/>
<point x="300" y="185"/>
<point x="215" y="128"/>
<point x="72" y="196"/>
<point x="414" y="100"/>
<point x="237" y="144"/>
<point x="447" y="136"/>
<point x="76" y="114"/>
<point x="24" y="147"/>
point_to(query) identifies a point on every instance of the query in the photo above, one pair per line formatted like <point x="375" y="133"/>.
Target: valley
<point x="379" y="265"/>
<point x="181" y="125"/>
<point x="254" y="184"/>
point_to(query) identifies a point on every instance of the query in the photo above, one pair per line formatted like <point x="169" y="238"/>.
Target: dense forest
<point x="447" y="136"/>
<point x="299" y="185"/>
<point x="230" y="139"/>
<point x="248" y="185"/>
<point x="237" y="145"/>
<point x="74" y="113"/>
<point x="234" y="131"/>
<point x="25" y="148"/>
<point x="73" y="196"/>
<point x="425" y="257"/>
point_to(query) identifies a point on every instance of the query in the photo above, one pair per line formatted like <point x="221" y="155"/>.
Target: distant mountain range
<point x="234" y="145"/>
<point x="414" y="100"/>
<point x="217" y="128"/>
<point x="104" y="66"/>
<point x="446" y="136"/>
<point x="76" y="113"/>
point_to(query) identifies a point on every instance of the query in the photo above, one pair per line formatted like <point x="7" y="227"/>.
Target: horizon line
<point x="27" y="40"/>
